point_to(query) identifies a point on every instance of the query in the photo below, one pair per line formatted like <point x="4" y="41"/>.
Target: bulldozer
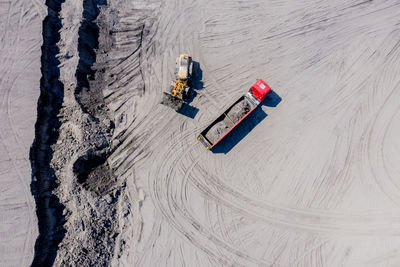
<point x="179" y="90"/>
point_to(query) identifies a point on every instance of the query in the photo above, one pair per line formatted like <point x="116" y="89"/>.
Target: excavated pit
<point x="49" y="209"/>
<point x="91" y="169"/>
<point x="94" y="173"/>
<point x="89" y="97"/>
<point x="66" y="139"/>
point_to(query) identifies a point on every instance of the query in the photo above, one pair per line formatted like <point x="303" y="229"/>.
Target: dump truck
<point x="179" y="90"/>
<point x="233" y="115"/>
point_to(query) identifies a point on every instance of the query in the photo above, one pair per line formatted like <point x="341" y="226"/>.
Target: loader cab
<point x="182" y="67"/>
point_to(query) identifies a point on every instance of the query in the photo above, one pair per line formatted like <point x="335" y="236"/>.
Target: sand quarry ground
<point x="108" y="176"/>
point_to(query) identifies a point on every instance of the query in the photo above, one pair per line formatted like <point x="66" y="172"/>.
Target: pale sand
<point x="20" y="41"/>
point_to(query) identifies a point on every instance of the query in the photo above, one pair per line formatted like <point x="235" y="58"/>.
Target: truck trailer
<point x="233" y="115"/>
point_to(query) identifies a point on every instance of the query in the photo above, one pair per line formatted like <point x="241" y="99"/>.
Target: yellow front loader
<point x="180" y="89"/>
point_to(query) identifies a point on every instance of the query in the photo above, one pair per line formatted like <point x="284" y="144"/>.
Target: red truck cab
<point x="260" y="90"/>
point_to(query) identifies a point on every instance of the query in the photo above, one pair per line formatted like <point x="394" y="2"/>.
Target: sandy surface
<point x="20" y="42"/>
<point x="309" y="179"/>
<point x="315" y="182"/>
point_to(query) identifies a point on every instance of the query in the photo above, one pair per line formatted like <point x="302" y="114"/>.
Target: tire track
<point x="178" y="216"/>
<point x="351" y="225"/>
<point x="344" y="224"/>
<point x="326" y="80"/>
<point x="16" y="10"/>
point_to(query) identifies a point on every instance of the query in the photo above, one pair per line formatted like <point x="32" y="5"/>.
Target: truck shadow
<point x="197" y="84"/>
<point x="247" y="125"/>
<point x="272" y="100"/>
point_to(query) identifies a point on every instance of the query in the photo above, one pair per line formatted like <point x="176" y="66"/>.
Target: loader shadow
<point x="247" y="125"/>
<point x="188" y="111"/>
<point x="197" y="84"/>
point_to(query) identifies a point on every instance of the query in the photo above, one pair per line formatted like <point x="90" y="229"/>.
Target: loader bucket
<point x="172" y="101"/>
